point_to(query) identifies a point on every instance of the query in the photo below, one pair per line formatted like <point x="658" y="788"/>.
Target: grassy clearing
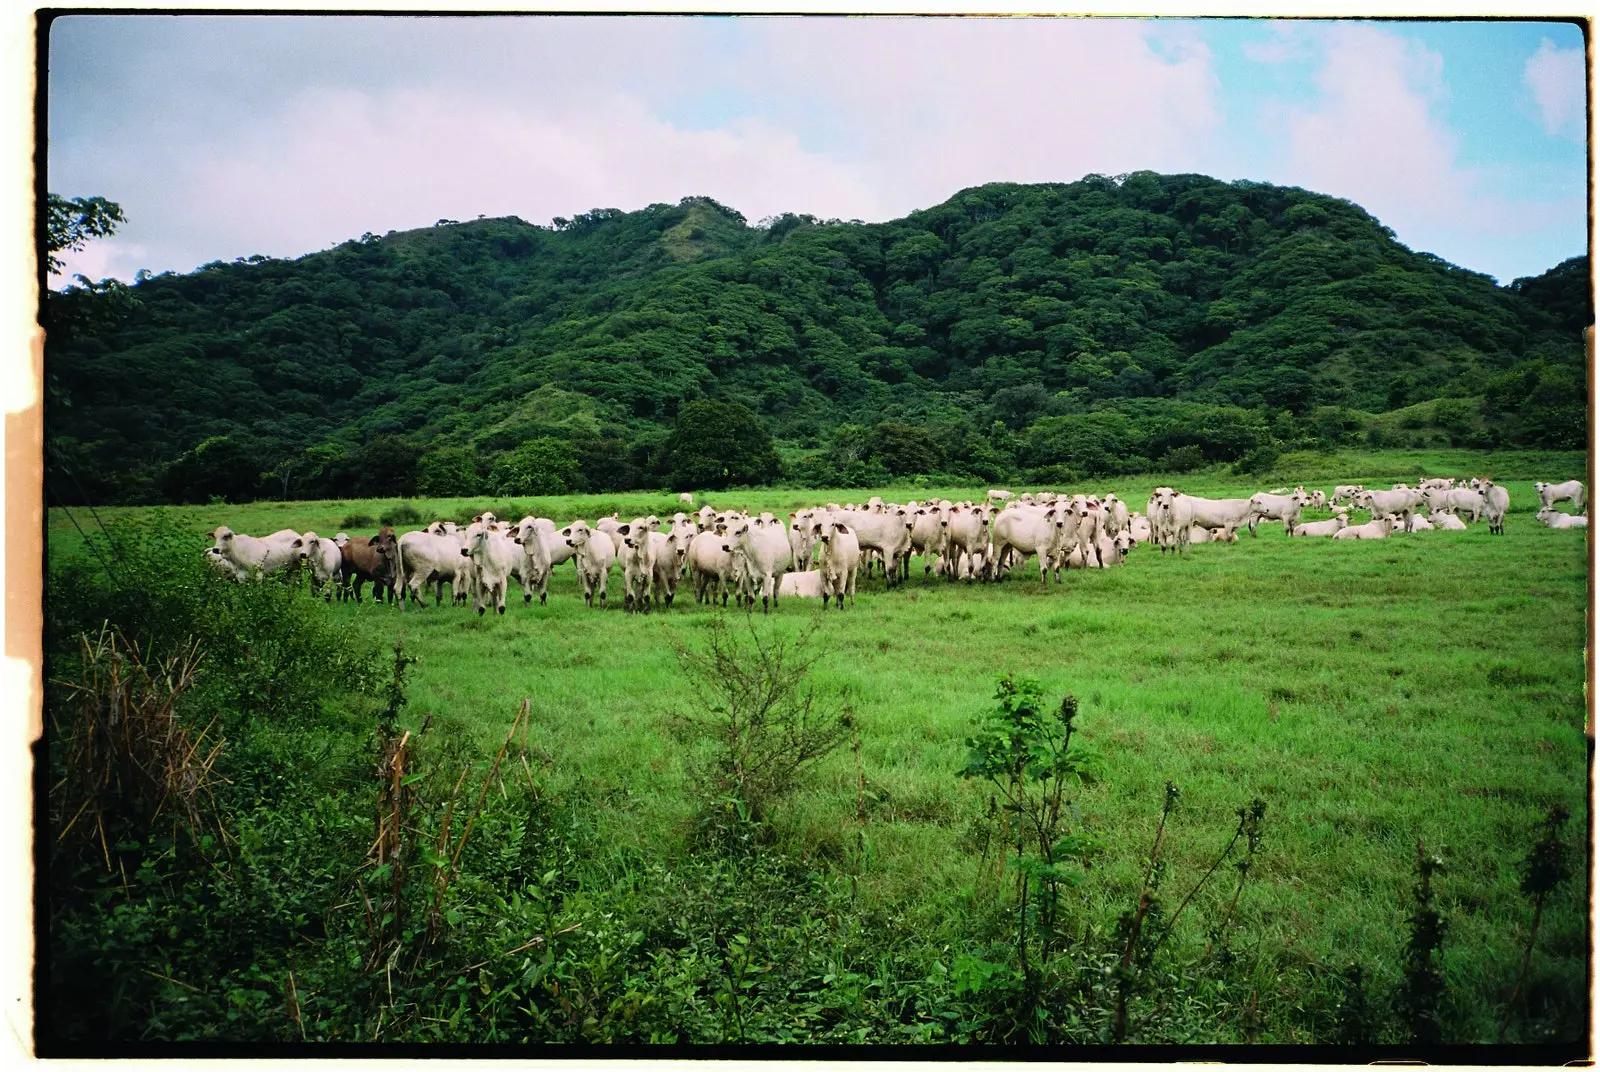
<point x="1372" y="693"/>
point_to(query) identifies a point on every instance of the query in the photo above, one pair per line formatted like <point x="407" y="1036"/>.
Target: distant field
<point x="1372" y="693"/>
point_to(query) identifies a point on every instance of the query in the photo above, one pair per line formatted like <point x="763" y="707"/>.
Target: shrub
<point x="717" y="445"/>
<point x="1181" y="460"/>
<point x="358" y="521"/>
<point x="402" y="513"/>
<point x="760" y="713"/>
<point x="1258" y="462"/>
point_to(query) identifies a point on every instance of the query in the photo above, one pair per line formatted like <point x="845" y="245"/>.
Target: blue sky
<point x="234" y="135"/>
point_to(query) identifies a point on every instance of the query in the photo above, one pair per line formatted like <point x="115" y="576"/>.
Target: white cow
<point x="532" y="535"/>
<point x="1377" y="529"/>
<point x="1442" y="520"/>
<point x="930" y="533"/>
<point x="258" y="556"/>
<point x="1319" y="499"/>
<point x="1557" y="520"/>
<point x="1455" y="500"/>
<point x="888" y="533"/>
<point x="1496" y="502"/>
<point x="1000" y="495"/>
<point x="801" y="524"/>
<point x="1321" y="528"/>
<point x="1550" y="494"/>
<point x="494" y="557"/>
<point x="806" y="584"/>
<point x="967" y="542"/>
<point x="686" y="498"/>
<point x="638" y="565"/>
<point x="669" y="549"/>
<point x="1397" y="502"/>
<point x="322" y="556"/>
<point x="1170" y="519"/>
<point x="1346" y="492"/>
<point x="838" y="559"/>
<point x="429" y="557"/>
<point x="1020" y="532"/>
<point x="1418" y="523"/>
<point x="593" y="553"/>
<point x="1229" y="515"/>
<point x="1285" y="508"/>
<point x="764" y="546"/>
<point x="710" y="565"/>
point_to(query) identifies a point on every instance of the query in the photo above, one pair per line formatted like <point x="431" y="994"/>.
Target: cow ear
<point x="622" y="529"/>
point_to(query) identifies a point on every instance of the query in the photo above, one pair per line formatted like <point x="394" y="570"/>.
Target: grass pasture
<point x="1374" y="694"/>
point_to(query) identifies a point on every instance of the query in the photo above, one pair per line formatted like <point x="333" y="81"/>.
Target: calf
<point x="1442" y="520"/>
<point x="638" y="565"/>
<point x="806" y="585"/>
<point x="1330" y="527"/>
<point x="321" y="556"/>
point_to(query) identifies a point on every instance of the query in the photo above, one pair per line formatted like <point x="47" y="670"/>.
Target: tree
<point x="543" y="466"/>
<point x="217" y="468"/>
<point x="716" y="445"/>
<point x="70" y="224"/>
<point x="385" y="465"/>
<point x="905" y="449"/>
<point x="449" y="471"/>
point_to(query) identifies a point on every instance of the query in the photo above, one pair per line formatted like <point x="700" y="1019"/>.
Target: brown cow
<point x="372" y="559"/>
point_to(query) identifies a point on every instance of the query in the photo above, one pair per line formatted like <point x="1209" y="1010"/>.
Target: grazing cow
<point x="1550" y="494"/>
<point x="638" y="565"/>
<point x="686" y="498"/>
<point x="321" y="556"/>
<point x="1321" y="528"/>
<point x="258" y="556"/>
<point x="1000" y="495"/>
<point x="1496" y="502"/>
<point x="593" y="554"/>
<point x="838" y="558"/>
<point x="1435" y="483"/>
<point x="1555" y="519"/>
<point x="1376" y="529"/>
<point x="1285" y="508"/>
<point x="372" y="559"/>
<point x="1442" y="520"/>
<point x="225" y="566"/>
<point x="806" y="584"/>
<point x="534" y="568"/>
<point x="764" y="546"/>
<point x="428" y="557"/>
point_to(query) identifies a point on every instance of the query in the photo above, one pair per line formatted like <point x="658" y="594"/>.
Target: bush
<point x="1258" y="462"/>
<point x="1181" y="460"/>
<point x="543" y="466"/>
<point x="358" y="521"/>
<point x="717" y="445"/>
<point x="760" y="713"/>
<point x="402" y="513"/>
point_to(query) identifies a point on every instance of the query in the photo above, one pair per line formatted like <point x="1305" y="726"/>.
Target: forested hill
<point x="1075" y="328"/>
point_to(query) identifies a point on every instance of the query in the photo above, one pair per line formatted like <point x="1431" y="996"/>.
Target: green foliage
<point x="71" y="223"/>
<point x="445" y="471"/>
<point x="1007" y="305"/>
<point x="761" y="715"/>
<point x="543" y="466"/>
<point x="1423" y="988"/>
<point x="401" y="513"/>
<point x="217" y="468"/>
<point x="717" y="445"/>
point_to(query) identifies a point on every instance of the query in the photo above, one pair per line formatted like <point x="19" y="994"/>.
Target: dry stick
<point x="1522" y="976"/>
<point x="170" y="979"/>
<point x="1231" y="842"/>
<point x="861" y="814"/>
<point x="522" y="712"/>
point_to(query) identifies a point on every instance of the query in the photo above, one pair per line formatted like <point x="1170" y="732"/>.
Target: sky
<point x="228" y="136"/>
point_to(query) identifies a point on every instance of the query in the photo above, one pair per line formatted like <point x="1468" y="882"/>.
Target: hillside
<point x="1069" y="329"/>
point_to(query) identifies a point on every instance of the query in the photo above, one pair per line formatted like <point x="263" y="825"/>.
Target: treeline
<point x="1010" y="329"/>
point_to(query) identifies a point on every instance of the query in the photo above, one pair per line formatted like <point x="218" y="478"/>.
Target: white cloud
<point x="1556" y="77"/>
<point x="852" y="118"/>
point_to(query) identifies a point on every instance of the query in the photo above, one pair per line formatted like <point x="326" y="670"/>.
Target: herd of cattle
<point x="821" y="551"/>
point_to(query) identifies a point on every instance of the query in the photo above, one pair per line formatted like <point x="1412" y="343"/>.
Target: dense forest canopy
<point x="1052" y="331"/>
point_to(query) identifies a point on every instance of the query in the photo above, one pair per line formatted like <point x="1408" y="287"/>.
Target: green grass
<point x="1374" y="694"/>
